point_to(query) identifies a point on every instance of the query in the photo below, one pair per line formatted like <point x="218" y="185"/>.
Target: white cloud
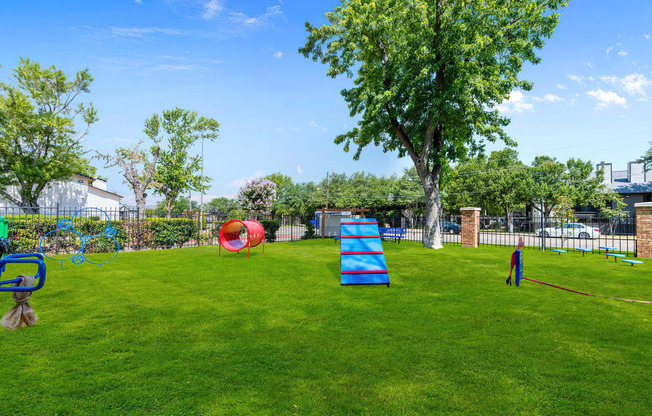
<point x="141" y="33"/>
<point x="238" y="183"/>
<point x="316" y="125"/>
<point x="278" y="54"/>
<point x="590" y="64"/>
<point x="576" y="79"/>
<point x="609" y="49"/>
<point x="212" y="8"/>
<point x="551" y="98"/>
<point x="606" y="97"/>
<point x="299" y="171"/>
<point x="634" y="84"/>
<point x="139" y="1"/>
<point x="647" y="36"/>
<point x="185" y="68"/>
<point x="241" y="18"/>
<point x="516" y="102"/>
<point x="622" y="53"/>
<point x="561" y="86"/>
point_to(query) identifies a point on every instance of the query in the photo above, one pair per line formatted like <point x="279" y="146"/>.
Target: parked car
<point x="573" y="230"/>
<point x="450" y="227"/>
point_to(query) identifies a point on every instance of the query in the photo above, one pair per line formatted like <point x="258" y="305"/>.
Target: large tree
<point x="137" y="168"/>
<point x="221" y="205"/>
<point x="42" y="127"/>
<point x="177" y="171"/>
<point x="429" y="75"/>
<point x="284" y="186"/>
<point x="574" y="179"/>
<point x="508" y="184"/>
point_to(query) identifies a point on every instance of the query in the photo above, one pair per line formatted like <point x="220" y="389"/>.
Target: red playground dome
<point x="232" y="238"/>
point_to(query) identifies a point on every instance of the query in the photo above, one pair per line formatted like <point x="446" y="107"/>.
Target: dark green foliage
<point x="380" y="217"/>
<point x="310" y="229"/>
<point x="167" y="233"/>
<point x="25" y="232"/>
<point x="271" y="227"/>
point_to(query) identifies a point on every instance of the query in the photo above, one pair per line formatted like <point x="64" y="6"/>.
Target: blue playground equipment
<point x="362" y="258"/>
<point x="67" y="226"/>
<point x="29" y="258"/>
<point x="22" y="286"/>
<point x="517" y="262"/>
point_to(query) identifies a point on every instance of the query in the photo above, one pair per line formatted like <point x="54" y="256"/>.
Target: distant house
<point x="633" y="184"/>
<point x="78" y="192"/>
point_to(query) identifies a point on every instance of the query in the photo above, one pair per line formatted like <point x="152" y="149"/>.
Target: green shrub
<point x="271" y="227"/>
<point x="380" y="217"/>
<point x="25" y="232"/>
<point x="310" y="229"/>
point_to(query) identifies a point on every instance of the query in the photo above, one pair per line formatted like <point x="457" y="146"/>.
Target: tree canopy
<point x="177" y="172"/>
<point x="428" y="75"/>
<point x="136" y="166"/>
<point x="42" y="127"/>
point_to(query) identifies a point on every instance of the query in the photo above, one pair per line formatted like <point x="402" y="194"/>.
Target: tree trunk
<point x="432" y="232"/>
<point x="509" y="215"/>
<point x="29" y="202"/>
<point x="140" y="202"/>
<point x="169" y="208"/>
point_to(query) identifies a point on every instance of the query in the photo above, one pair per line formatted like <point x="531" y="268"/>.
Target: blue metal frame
<point x="98" y="236"/>
<point x="23" y="259"/>
<point x="519" y="267"/>
<point x="69" y="225"/>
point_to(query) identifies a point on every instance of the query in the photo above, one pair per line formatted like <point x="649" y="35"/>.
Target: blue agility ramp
<point x="361" y="253"/>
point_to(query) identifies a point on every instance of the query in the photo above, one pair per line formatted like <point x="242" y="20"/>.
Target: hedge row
<point x="25" y="232"/>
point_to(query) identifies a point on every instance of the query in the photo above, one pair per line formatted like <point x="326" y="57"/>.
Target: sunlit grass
<point x="183" y="332"/>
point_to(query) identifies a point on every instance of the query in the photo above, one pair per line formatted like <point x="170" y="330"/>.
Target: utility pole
<point x="326" y="191"/>
<point x="201" y="184"/>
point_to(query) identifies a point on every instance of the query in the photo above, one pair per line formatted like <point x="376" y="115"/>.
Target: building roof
<point x="105" y="191"/>
<point x="631" y="188"/>
<point x="84" y="176"/>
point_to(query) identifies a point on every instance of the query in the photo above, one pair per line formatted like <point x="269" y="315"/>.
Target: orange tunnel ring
<point x="230" y="234"/>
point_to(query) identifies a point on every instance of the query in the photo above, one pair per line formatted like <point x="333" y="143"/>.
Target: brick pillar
<point x="644" y="229"/>
<point x="470" y="226"/>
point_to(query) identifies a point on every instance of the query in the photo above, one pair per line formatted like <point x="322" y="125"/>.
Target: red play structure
<point x="230" y="236"/>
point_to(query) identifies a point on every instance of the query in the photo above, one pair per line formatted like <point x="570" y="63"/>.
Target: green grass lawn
<point x="181" y="332"/>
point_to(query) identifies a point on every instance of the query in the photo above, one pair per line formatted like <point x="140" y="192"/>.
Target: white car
<point x="572" y="230"/>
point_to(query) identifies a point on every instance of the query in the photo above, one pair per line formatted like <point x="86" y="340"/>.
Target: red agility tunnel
<point x="230" y="236"/>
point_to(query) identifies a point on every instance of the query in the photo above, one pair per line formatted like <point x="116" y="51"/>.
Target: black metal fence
<point x="152" y="230"/>
<point x="65" y="229"/>
<point x="585" y="233"/>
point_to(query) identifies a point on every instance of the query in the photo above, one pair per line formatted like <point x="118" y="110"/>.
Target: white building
<point x="80" y="191"/>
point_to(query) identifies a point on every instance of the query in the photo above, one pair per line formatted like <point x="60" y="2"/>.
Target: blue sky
<point x="237" y="61"/>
